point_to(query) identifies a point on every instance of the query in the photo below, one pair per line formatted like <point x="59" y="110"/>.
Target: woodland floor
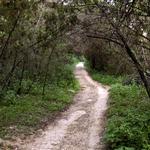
<point x="81" y="126"/>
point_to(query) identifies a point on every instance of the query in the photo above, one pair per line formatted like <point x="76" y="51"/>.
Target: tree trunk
<point x="44" y="84"/>
<point x="137" y="65"/>
<point x="10" y="34"/>
<point x="7" y="79"/>
<point x="21" y="77"/>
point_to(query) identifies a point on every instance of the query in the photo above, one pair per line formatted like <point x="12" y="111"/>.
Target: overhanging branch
<point x="105" y="38"/>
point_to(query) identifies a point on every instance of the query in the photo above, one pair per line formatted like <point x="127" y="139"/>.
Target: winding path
<point x="82" y="125"/>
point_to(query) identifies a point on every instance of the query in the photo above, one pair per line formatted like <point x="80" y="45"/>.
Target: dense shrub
<point x="128" y="125"/>
<point x="128" y="118"/>
<point x="27" y="112"/>
<point x="105" y="78"/>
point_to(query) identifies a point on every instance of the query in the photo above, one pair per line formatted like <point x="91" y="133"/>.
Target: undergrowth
<point x="24" y="114"/>
<point x="128" y="125"/>
<point x="105" y="78"/>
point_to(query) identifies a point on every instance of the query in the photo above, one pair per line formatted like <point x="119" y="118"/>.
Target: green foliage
<point x="105" y="78"/>
<point x="128" y="118"/>
<point x="29" y="111"/>
<point x="125" y="148"/>
<point x="32" y="48"/>
<point x="128" y="115"/>
<point x="25" y="114"/>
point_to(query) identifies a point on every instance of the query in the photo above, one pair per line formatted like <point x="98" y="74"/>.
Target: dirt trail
<point x="81" y="126"/>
